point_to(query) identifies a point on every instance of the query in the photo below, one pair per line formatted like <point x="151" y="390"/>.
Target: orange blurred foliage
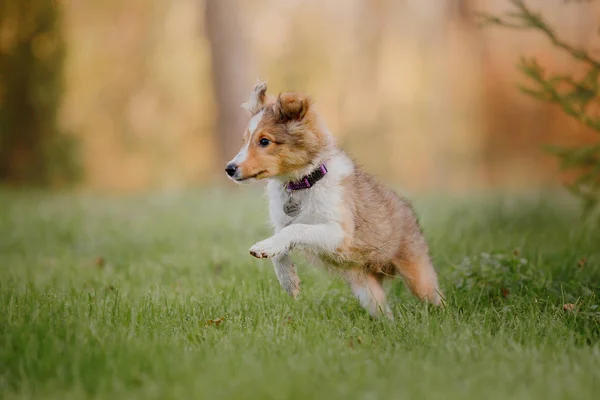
<point x="414" y="90"/>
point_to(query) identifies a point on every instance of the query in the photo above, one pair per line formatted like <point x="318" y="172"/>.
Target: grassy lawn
<point x="156" y="296"/>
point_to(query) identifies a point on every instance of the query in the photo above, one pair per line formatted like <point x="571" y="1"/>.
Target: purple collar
<point x="308" y="181"/>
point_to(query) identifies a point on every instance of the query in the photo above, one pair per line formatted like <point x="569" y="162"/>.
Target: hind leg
<point x="368" y="289"/>
<point x="420" y="277"/>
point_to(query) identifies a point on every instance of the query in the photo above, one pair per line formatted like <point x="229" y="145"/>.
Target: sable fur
<point x="348" y="221"/>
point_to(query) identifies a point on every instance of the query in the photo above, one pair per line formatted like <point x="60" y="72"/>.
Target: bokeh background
<point x="135" y="95"/>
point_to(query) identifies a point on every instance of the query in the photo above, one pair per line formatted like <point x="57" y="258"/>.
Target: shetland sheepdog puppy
<point x="323" y="205"/>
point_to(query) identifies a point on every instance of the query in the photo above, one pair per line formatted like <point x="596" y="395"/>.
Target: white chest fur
<point x="320" y="204"/>
<point x="316" y="230"/>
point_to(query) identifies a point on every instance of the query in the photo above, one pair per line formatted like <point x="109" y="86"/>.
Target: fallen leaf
<point x="569" y="307"/>
<point x="100" y="262"/>
<point x="215" y="322"/>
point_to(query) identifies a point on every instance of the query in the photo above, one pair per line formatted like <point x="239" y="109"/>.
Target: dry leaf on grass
<point x="100" y="262"/>
<point x="215" y="322"/>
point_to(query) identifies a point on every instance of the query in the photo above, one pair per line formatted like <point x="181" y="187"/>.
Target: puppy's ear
<point x="291" y="107"/>
<point x="257" y="98"/>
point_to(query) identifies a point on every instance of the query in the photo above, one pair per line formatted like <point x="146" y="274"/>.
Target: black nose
<point x="230" y="169"/>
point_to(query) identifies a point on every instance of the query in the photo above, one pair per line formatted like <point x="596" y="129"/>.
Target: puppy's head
<point x="283" y="137"/>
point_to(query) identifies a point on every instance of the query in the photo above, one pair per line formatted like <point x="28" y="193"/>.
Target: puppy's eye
<point x="264" y="142"/>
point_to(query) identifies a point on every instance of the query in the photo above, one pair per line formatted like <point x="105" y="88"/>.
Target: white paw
<point x="266" y="249"/>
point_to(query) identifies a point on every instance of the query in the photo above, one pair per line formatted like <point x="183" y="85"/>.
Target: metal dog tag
<point x="292" y="207"/>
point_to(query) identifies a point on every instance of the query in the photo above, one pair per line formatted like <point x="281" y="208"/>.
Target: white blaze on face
<point x="254" y="121"/>
<point x="252" y="125"/>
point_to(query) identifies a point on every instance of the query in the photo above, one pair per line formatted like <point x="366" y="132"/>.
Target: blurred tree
<point x="578" y="97"/>
<point x="32" y="150"/>
<point x="362" y="113"/>
<point x="230" y="69"/>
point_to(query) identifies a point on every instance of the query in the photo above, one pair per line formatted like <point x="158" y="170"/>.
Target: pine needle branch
<point x="525" y="18"/>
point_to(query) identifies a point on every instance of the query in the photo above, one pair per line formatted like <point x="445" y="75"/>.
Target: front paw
<point x="266" y="249"/>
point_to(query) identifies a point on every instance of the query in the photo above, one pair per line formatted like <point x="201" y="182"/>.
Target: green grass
<point x="118" y="297"/>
